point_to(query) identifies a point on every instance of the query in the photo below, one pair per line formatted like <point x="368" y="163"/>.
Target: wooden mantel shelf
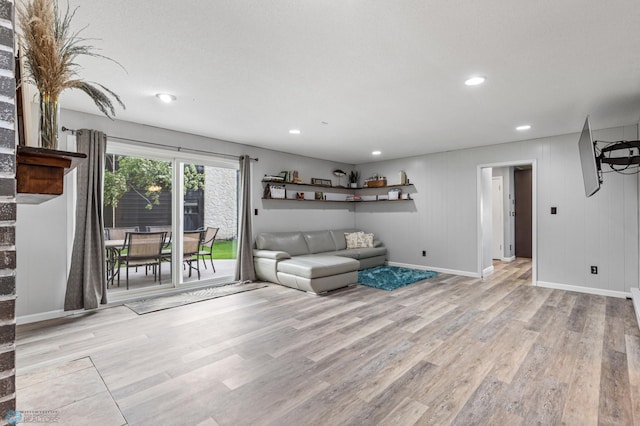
<point x="40" y="173"/>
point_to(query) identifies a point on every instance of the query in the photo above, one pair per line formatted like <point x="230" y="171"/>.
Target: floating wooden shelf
<point x="40" y="173"/>
<point x="341" y="188"/>
<point x="338" y="201"/>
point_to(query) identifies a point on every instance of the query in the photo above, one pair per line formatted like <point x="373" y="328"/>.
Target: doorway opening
<point x="506" y="216"/>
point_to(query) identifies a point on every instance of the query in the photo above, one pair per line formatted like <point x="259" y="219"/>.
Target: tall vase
<point x="48" y="121"/>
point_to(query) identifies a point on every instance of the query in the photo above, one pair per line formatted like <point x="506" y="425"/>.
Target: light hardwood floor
<point x="451" y="350"/>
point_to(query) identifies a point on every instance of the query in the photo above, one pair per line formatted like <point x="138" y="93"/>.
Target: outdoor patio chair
<point x="190" y="250"/>
<point x="113" y="251"/>
<point x="207" y="246"/>
<point x="119" y="233"/>
<point x="163" y="228"/>
<point x="143" y="249"/>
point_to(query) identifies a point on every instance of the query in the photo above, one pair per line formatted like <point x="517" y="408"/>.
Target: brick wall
<point x="7" y="211"/>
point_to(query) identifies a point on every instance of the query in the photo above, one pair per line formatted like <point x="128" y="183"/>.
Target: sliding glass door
<point x="209" y="206"/>
<point x="190" y="202"/>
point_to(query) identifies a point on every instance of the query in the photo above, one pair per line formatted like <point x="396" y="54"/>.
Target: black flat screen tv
<point x="590" y="166"/>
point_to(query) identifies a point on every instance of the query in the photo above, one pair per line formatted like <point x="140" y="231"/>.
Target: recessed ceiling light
<point x="165" y="97"/>
<point x="474" y="81"/>
<point x="294" y="131"/>
<point x="523" y="127"/>
<point x="376" y="153"/>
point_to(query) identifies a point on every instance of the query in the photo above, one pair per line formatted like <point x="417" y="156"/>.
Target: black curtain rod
<point x="177" y="148"/>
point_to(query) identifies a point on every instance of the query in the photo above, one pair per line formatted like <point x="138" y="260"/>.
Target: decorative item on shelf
<point x="285" y="176"/>
<point x="272" y="178"/>
<point x="274" y="191"/>
<point x="51" y="51"/>
<point x="323" y="182"/>
<point x="403" y="177"/>
<point x="339" y="174"/>
<point x="299" y="195"/>
<point x="375" y="182"/>
<point x="277" y="191"/>
<point x="394" y="194"/>
<point x="354" y="175"/>
<point x="319" y="195"/>
<point x="295" y="178"/>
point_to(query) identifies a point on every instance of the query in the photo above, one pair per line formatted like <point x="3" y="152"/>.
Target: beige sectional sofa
<point x="315" y="261"/>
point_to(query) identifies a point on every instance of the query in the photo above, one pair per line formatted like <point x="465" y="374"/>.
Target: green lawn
<point x="221" y="249"/>
<point x="225" y="249"/>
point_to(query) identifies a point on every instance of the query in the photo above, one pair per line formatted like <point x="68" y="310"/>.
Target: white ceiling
<point x="384" y="75"/>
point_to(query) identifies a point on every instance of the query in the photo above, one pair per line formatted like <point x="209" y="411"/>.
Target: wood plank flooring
<point x="451" y="350"/>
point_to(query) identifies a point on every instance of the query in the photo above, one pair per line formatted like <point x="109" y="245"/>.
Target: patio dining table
<point x="113" y="250"/>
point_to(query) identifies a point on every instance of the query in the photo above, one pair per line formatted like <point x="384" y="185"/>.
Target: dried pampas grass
<point x="50" y="49"/>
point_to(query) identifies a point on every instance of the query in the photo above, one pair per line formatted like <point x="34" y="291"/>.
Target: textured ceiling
<point x="384" y="75"/>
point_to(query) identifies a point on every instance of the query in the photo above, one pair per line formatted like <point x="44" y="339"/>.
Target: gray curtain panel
<point x="87" y="284"/>
<point x="244" y="265"/>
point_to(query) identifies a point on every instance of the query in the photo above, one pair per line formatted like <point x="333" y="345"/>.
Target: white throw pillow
<point x="358" y="240"/>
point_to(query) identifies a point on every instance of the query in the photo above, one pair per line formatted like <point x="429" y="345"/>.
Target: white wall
<point x="42" y="231"/>
<point x="486" y="220"/>
<point x="44" y="237"/>
<point x="601" y="230"/>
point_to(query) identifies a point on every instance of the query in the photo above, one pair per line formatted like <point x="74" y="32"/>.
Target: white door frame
<point x="534" y="209"/>
<point x="499" y="231"/>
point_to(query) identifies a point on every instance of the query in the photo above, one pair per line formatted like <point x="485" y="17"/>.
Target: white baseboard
<point x="635" y="295"/>
<point x="43" y="316"/>
<point x="433" y="268"/>
<point x="588" y="290"/>
<point x="508" y="259"/>
<point x="487" y="271"/>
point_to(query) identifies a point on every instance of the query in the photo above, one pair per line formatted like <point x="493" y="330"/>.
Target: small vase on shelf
<point x="354" y="175"/>
<point x="49" y="114"/>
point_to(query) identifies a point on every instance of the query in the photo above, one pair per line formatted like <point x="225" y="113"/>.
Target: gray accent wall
<point x="443" y="219"/>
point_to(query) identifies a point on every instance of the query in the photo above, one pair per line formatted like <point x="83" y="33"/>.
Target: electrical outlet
<point x="424" y="253"/>
<point x="594" y="269"/>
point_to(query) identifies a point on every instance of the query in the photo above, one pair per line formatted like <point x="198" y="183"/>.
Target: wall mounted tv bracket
<point x="630" y="160"/>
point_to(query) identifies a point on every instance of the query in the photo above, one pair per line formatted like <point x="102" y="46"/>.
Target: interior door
<point x="523" y="206"/>
<point x="498" y="222"/>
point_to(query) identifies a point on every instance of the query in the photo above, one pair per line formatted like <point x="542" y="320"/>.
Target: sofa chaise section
<point x="315" y="261"/>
